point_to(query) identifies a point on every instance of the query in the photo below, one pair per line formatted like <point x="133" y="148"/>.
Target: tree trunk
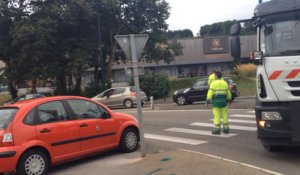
<point x="96" y="69"/>
<point x="12" y="89"/>
<point x="77" y="90"/>
<point x="33" y="87"/>
<point x="61" y="84"/>
<point x="109" y="64"/>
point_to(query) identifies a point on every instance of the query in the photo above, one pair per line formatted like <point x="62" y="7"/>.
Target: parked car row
<point x="198" y="92"/>
<point x="58" y="129"/>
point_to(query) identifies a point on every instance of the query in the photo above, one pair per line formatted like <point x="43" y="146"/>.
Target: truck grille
<point x="296" y="93"/>
<point x="294" y="83"/>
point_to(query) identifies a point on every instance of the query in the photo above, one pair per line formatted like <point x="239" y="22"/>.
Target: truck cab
<point x="278" y="71"/>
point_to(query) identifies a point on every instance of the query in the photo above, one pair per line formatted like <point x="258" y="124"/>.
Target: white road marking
<point x="242" y="115"/>
<point x="233" y="161"/>
<point x="251" y="112"/>
<point x="174" y="139"/>
<point x="146" y="110"/>
<point x="244" y="128"/>
<point x="198" y="132"/>
<point x="240" y="121"/>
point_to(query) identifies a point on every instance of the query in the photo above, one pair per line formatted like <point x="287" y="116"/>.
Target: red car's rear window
<point x="6" y="116"/>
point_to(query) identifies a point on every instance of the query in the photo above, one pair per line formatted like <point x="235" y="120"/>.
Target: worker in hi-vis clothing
<point x="219" y="95"/>
<point x="211" y="77"/>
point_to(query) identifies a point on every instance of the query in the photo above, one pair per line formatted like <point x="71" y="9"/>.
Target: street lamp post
<point x="100" y="57"/>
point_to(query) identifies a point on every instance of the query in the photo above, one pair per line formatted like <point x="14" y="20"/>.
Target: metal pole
<point x="259" y="1"/>
<point x="138" y="98"/>
<point x="100" y="57"/>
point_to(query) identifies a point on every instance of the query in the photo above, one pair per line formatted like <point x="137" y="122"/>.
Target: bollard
<point x="152" y="103"/>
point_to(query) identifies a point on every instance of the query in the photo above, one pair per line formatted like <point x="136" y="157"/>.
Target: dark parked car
<point x="199" y="90"/>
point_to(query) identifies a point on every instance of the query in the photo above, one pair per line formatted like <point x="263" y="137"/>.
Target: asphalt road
<point x="173" y="127"/>
<point x="242" y="145"/>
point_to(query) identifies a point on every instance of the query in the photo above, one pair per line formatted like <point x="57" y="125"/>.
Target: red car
<point x="38" y="133"/>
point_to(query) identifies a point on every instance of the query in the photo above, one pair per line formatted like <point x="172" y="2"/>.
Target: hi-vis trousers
<point x="218" y="113"/>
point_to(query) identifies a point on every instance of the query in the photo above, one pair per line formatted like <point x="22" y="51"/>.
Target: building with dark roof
<point x="200" y="56"/>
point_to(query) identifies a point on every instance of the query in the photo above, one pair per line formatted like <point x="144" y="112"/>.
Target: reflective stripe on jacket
<point x="219" y="93"/>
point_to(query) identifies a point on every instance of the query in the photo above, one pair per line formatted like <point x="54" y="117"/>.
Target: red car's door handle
<point x="45" y="130"/>
<point x="83" y="125"/>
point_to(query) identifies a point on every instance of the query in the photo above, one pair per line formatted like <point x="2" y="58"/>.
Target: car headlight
<point x="175" y="92"/>
<point x="271" y="115"/>
<point x="185" y="91"/>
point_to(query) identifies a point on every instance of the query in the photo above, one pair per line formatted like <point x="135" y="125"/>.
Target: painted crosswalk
<point x="242" y="115"/>
<point x="234" y="127"/>
<point x="238" y="122"/>
<point x="174" y="139"/>
<point x="198" y="132"/>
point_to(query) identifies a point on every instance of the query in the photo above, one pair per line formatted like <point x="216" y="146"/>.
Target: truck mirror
<point x="235" y="29"/>
<point x="235" y="46"/>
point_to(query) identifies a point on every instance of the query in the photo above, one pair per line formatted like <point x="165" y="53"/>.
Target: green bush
<point x="92" y="89"/>
<point x="154" y="84"/>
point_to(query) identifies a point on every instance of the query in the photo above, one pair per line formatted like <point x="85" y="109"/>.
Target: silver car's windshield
<point x="280" y="35"/>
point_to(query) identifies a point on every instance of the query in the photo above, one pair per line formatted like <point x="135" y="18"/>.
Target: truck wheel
<point x="33" y="162"/>
<point x="272" y="148"/>
<point x="129" y="141"/>
<point x="181" y="100"/>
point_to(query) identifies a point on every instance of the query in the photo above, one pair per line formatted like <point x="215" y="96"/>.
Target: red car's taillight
<point x="7" y="139"/>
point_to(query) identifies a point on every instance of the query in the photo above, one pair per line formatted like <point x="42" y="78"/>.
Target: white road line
<point x="233" y="161"/>
<point x="251" y="112"/>
<point x="244" y="128"/>
<point x="242" y="115"/>
<point x="171" y="110"/>
<point x="198" y="132"/>
<point x="239" y="121"/>
<point x="174" y="139"/>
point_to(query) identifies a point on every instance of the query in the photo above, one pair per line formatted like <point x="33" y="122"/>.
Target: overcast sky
<point x="192" y="14"/>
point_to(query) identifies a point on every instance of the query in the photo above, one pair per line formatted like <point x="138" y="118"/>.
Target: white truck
<point x="277" y="57"/>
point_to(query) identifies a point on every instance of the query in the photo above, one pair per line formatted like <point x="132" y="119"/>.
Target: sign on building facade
<point x="215" y="45"/>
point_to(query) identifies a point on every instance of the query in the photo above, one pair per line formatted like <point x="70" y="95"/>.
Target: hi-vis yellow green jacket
<point x="211" y="78"/>
<point x="219" y="93"/>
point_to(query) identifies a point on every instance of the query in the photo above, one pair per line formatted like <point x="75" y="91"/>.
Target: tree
<point x="223" y="28"/>
<point x="11" y="12"/>
<point x="134" y="17"/>
<point x="58" y="39"/>
<point x="186" y="33"/>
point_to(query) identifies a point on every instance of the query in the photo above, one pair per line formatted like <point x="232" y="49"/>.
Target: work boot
<point x="216" y="131"/>
<point x="226" y="130"/>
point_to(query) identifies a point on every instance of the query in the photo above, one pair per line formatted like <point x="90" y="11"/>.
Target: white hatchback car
<point x="120" y="96"/>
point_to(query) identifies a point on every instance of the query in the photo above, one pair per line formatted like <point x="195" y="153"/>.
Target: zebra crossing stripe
<point x="174" y="139"/>
<point x="198" y="132"/>
<point x="244" y="128"/>
<point x="239" y="121"/>
<point x="242" y="115"/>
<point x="252" y="112"/>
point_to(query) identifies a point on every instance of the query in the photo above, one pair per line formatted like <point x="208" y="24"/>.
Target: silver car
<point x="120" y="96"/>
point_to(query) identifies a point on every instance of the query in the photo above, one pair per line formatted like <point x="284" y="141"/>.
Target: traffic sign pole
<point x="134" y="49"/>
<point x="138" y="98"/>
